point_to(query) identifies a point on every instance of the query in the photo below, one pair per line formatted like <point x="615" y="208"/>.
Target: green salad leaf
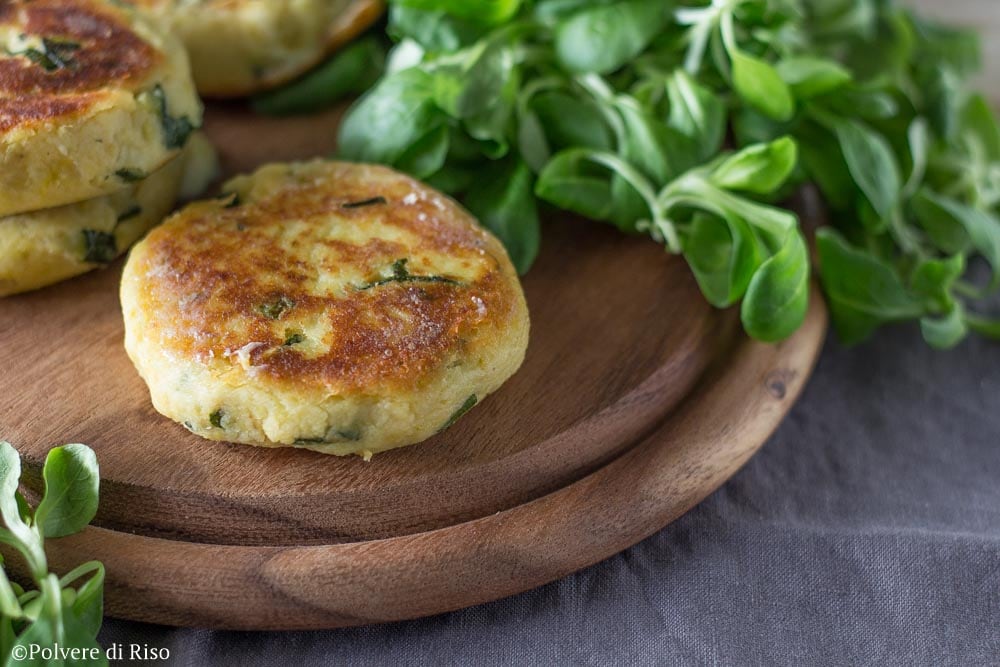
<point x="62" y="611"/>
<point x="691" y="121"/>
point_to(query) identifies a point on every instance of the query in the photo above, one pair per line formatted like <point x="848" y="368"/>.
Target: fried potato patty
<point x="343" y="308"/>
<point x="239" y="47"/>
<point x="45" y="247"/>
<point x="92" y="98"/>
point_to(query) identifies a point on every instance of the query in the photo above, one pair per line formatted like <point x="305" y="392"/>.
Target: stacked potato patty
<point x="240" y="47"/>
<point x="342" y="308"/>
<point x="97" y="105"/>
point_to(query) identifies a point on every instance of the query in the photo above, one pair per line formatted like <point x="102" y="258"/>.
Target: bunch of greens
<point x="59" y="611"/>
<point x="689" y="121"/>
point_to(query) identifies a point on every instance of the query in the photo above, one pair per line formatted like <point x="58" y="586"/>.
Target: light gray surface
<point x="867" y="531"/>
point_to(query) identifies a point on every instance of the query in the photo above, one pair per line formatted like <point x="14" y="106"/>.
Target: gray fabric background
<point x="866" y="532"/>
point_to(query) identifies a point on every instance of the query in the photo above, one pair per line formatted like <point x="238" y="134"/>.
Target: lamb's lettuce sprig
<point x="689" y="121"/>
<point x="59" y="611"/>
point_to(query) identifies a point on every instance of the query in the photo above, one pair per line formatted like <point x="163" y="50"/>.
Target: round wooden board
<point x="636" y="400"/>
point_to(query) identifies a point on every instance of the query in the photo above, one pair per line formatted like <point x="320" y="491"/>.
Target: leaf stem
<point x="605" y="97"/>
<point x="983" y="326"/>
<point x="642" y="185"/>
<point x="80" y="571"/>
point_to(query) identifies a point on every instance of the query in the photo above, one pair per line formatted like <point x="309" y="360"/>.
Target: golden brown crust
<point x="212" y="270"/>
<point x="103" y="51"/>
<point x="24" y="111"/>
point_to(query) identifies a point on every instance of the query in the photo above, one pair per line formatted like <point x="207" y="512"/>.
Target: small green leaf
<point x="434" y="30"/>
<point x="9" y="605"/>
<point x="933" y="280"/>
<point x="129" y="214"/>
<point x="71" y="491"/>
<point x="946" y="45"/>
<point x="863" y="291"/>
<point x="723" y="255"/>
<point x="824" y="163"/>
<point x="532" y="143"/>
<point x="333" y="436"/>
<point x="658" y="150"/>
<point x="10" y="474"/>
<point x="627" y="205"/>
<point x="984" y="326"/>
<point x="390" y="118"/>
<point x="87" y="609"/>
<point x="697" y="113"/>
<point x="980" y="227"/>
<point x="862" y="104"/>
<point x="809" y="76"/>
<point x="944" y="332"/>
<point x="603" y="37"/>
<point x="760" y="168"/>
<point x="453" y="179"/>
<point x="40" y="633"/>
<point x="777" y="298"/>
<point x="919" y="142"/>
<point x="774" y="224"/>
<point x="27" y="512"/>
<point x="473" y="80"/>
<point x="491" y="127"/>
<point x="503" y="200"/>
<point x="574" y="183"/>
<point x="946" y="233"/>
<point x="872" y="164"/>
<point x="571" y="122"/>
<point x="941" y="90"/>
<point x="27" y="540"/>
<point x="759" y="84"/>
<point x="427" y="155"/>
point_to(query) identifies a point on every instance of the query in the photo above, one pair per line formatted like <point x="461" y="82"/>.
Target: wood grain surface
<point x="712" y="434"/>
<point x="611" y="351"/>
<point x="636" y="400"/>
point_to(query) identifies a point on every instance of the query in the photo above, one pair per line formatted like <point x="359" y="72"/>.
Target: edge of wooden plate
<point x="701" y="444"/>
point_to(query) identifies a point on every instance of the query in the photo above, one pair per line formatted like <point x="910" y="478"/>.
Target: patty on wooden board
<point x="343" y="308"/>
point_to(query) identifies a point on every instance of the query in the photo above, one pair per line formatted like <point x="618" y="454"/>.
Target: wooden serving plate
<point x="635" y="402"/>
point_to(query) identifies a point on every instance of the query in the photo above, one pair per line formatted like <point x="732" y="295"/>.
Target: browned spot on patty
<point x="221" y="279"/>
<point x="104" y="51"/>
<point x="17" y="111"/>
<point x="373" y="345"/>
<point x="302" y="198"/>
